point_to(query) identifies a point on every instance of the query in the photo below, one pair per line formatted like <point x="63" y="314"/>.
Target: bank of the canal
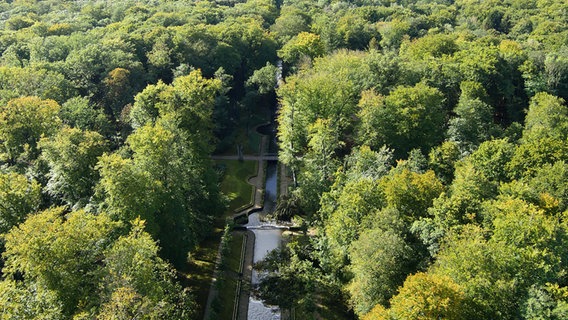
<point x="268" y="236"/>
<point x="261" y="236"/>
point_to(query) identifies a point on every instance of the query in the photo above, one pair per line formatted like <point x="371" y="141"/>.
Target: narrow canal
<point x="268" y="235"/>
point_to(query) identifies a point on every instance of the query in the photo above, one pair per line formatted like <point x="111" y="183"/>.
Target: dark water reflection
<point x="271" y="186"/>
<point x="270" y="131"/>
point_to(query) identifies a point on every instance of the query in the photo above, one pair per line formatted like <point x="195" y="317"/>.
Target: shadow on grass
<point x="234" y="183"/>
<point x="200" y="269"/>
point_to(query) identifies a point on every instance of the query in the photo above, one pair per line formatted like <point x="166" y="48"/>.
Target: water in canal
<point x="268" y="237"/>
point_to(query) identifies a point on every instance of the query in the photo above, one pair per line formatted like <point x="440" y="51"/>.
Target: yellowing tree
<point x="304" y="44"/>
<point x="428" y="297"/>
<point x="23" y="121"/>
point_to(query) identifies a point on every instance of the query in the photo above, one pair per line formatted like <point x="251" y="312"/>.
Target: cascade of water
<point x="266" y="240"/>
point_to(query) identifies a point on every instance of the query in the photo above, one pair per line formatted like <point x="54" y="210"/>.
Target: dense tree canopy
<point x="98" y="273"/>
<point x="468" y="99"/>
<point x="72" y="155"/>
<point x="19" y="197"/>
<point x="23" y="121"/>
<point x="426" y="143"/>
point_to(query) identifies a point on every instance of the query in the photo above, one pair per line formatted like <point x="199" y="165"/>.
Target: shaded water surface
<point x="268" y="237"/>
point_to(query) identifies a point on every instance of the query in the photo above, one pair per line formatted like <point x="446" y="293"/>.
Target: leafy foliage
<point x="418" y="134"/>
<point x="23" y="121"/>
<point x="98" y="274"/>
<point x="72" y="155"/>
<point x="18" y="198"/>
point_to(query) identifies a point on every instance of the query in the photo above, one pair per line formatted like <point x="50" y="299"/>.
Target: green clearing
<point x="200" y="269"/>
<point x="227" y="292"/>
<point x="202" y="262"/>
<point x="233" y="260"/>
<point x="235" y="184"/>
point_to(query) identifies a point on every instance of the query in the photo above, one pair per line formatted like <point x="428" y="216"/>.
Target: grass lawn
<point x="227" y="293"/>
<point x="200" y="269"/>
<point x="234" y="183"/>
<point x="235" y="252"/>
<point x="199" y="273"/>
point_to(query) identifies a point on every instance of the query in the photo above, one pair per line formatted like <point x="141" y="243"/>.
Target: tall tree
<point x="18" y="198"/>
<point x="23" y="121"/>
<point x="380" y="261"/>
<point x="303" y="45"/>
<point x="165" y="174"/>
<point x="62" y="255"/>
<point x="71" y="155"/>
<point x="139" y="283"/>
<point x="473" y="123"/>
<point x="408" y="118"/>
<point x="544" y="136"/>
<point x="79" y="113"/>
<point x="424" y="296"/>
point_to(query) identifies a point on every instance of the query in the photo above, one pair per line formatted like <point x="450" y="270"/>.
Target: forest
<point x="426" y="142"/>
